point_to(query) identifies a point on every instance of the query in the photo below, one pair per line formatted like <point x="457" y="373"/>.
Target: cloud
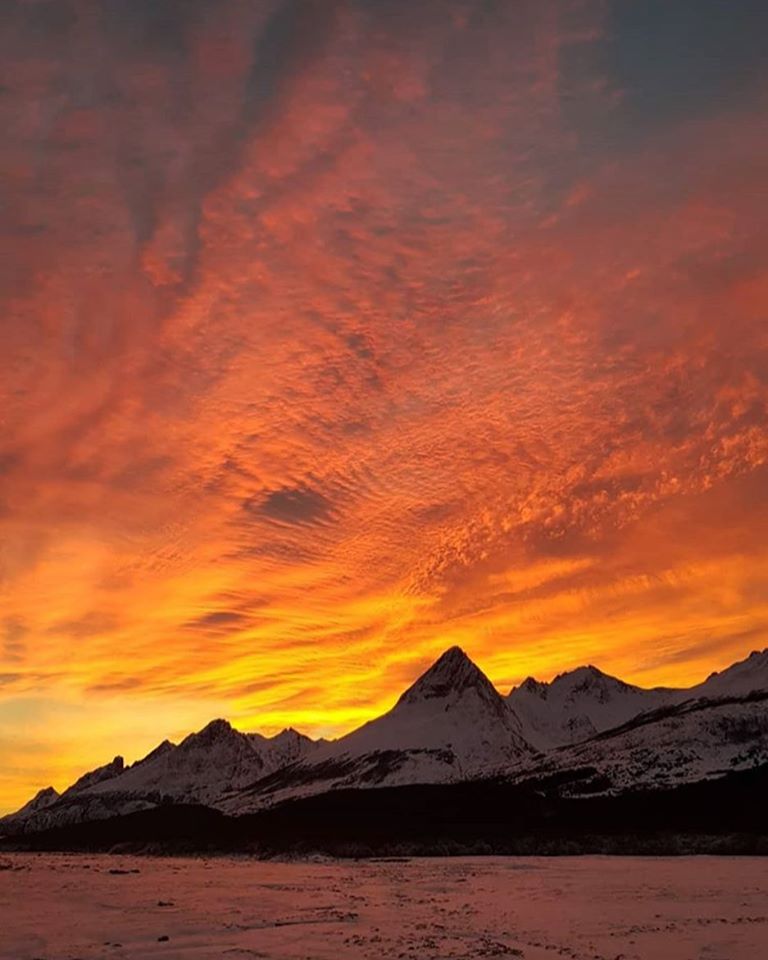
<point x="299" y="505"/>
<point x="218" y="618"/>
<point x="14" y="634"/>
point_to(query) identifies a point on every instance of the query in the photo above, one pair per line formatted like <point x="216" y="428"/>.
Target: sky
<point x="337" y="333"/>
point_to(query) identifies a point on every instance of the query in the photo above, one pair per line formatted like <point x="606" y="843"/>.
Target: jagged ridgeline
<point x="584" y="735"/>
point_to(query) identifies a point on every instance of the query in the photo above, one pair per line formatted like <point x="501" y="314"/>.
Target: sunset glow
<point x="337" y="333"/>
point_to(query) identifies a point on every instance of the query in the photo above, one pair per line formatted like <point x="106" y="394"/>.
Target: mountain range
<point x="589" y="733"/>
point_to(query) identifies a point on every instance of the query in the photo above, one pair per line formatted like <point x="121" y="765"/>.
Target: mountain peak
<point x="99" y="775"/>
<point x="160" y="750"/>
<point x="217" y="727"/>
<point x="43" y="798"/>
<point x="740" y="678"/>
<point x="450" y="720"/>
<point x="589" y="678"/>
<point x="580" y="673"/>
<point x="214" y="732"/>
<point x="452" y="672"/>
<point x="46" y="795"/>
<point x="289" y="735"/>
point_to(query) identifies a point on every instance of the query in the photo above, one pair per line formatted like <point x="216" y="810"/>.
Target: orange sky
<point x="338" y="333"/>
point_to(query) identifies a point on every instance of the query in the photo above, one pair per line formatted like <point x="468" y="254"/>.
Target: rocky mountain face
<point x="591" y="732"/>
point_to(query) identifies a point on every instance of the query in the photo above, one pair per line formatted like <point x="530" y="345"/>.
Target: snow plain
<point x="80" y="907"/>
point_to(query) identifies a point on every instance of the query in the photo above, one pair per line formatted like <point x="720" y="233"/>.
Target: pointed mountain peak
<point x="531" y="686"/>
<point x="216" y="731"/>
<point x="42" y="799"/>
<point x="453" y="654"/>
<point x="217" y="727"/>
<point x="452" y="672"/>
<point x="287" y="732"/>
<point x="740" y="678"/>
<point x="289" y="735"/>
<point x="99" y="775"/>
<point x="46" y="795"/>
<point x="580" y="673"/>
<point x="588" y="677"/>
<point x="162" y="748"/>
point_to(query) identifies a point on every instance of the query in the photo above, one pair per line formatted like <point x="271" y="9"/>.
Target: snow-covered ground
<point x="63" y="907"/>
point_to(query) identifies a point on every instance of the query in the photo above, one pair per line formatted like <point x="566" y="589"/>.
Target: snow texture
<point x="586" y="908"/>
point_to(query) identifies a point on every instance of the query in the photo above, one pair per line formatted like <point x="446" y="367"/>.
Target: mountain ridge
<point x="451" y="724"/>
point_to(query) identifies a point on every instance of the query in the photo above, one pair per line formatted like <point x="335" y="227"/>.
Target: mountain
<point x="723" y="816"/>
<point x="585" y="732"/>
<point x="206" y="764"/>
<point x="592" y="732"/>
<point x="203" y="765"/>
<point x="91" y="780"/>
<point x="451" y="724"/>
<point x="452" y="707"/>
<point x="579" y="704"/>
<point x="740" y="679"/>
<point x="284" y="748"/>
<point x="42" y="799"/>
<point x="698" y="739"/>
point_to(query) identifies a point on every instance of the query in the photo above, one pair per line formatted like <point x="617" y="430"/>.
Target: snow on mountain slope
<point x="42" y="799"/>
<point x="93" y="778"/>
<point x="681" y="743"/>
<point x="204" y="765"/>
<point x="578" y="704"/>
<point x="740" y="679"/>
<point x="449" y="725"/>
<point x="581" y="703"/>
<point x="196" y="770"/>
<point x="213" y="761"/>
<point x="454" y="707"/>
<point x="285" y="747"/>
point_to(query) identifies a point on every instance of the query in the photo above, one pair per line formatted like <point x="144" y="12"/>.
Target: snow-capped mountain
<point x="451" y="724"/>
<point x="42" y="799"/>
<point x="91" y="780"/>
<point x="683" y="743"/>
<point x="452" y="707"/>
<point x="592" y="732"/>
<point x="206" y="764"/>
<point x="739" y="679"/>
<point x="579" y="704"/>
<point x="216" y="760"/>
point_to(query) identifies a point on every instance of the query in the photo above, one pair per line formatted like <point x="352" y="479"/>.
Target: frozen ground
<point x="79" y="907"/>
